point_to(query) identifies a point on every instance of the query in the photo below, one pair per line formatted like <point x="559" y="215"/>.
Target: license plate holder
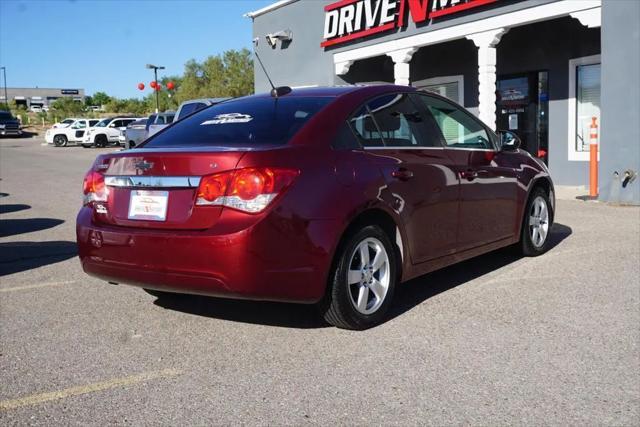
<point x="148" y="205"/>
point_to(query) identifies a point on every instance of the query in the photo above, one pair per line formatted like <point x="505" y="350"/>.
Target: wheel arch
<point x="544" y="182"/>
<point x="386" y="221"/>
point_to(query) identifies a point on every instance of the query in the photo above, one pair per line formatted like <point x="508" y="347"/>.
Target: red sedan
<point x="331" y="196"/>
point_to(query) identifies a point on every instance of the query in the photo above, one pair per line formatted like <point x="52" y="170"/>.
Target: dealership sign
<point x="348" y="20"/>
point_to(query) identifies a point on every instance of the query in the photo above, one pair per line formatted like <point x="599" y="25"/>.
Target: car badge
<point x="143" y="165"/>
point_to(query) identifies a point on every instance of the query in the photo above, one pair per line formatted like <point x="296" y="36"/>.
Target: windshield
<point x="5" y="116"/>
<point x="103" y="123"/>
<point x="248" y="121"/>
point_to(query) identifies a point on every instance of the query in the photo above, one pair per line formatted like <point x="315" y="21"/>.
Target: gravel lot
<point x="495" y="340"/>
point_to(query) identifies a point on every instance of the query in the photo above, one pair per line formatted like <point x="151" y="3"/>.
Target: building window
<point x="584" y="104"/>
<point x="451" y="87"/>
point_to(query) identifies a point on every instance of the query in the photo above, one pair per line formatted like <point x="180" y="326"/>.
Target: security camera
<point x="284" y="35"/>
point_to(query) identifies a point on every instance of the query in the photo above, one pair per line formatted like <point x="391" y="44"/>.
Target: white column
<point x="486" y="43"/>
<point x="342" y="68"/>
<point x="401" y="59"/>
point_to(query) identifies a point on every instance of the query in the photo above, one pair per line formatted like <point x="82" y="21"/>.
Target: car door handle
<point x="402" y="174"/>
<point x="469" y="174"/>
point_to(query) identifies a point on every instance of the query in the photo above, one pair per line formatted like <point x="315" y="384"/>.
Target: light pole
<point x="155" y="69"/>
<point x="4" y="74"/>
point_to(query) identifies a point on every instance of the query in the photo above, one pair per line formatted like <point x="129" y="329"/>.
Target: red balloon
<point x="141" y="86"/>
<point x="158" y="87"/>
<point x="170" y="85"/>
<point x="153" y="84"/>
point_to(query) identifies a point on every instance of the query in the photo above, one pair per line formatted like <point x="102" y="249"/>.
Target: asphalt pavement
<point x="497" y="340"/>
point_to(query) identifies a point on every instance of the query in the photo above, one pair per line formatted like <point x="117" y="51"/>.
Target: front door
<point x="488" y="185"/>
<point x="421" y="184"/>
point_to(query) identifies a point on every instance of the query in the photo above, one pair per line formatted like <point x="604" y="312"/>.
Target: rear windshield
<point x="243" y="122"/>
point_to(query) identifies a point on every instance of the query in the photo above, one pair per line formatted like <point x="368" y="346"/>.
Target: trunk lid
<point x="157" y="188"/>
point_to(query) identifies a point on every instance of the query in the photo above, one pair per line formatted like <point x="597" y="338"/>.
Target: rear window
<point x="245" y="122"/>
<point x="190" y="108"/>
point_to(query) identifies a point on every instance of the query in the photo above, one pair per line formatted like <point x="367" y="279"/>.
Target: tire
<point x="364" y="302"/>
<point x="60" y="141"/>
<point x="101" y="141"/>
<point x="536" y="224"/>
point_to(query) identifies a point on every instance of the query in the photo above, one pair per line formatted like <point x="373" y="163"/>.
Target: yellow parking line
<point x="39" y="285"/>
<point x="84" y="389"/>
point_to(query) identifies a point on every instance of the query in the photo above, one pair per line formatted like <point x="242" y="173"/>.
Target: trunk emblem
<point x="143" y="165"/>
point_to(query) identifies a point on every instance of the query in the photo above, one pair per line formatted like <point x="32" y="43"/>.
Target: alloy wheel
<point x="368" y="276"/>
<point x="539" y="221"/>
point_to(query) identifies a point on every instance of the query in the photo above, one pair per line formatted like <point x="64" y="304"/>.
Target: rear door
<point x="488" y="188"/>
<point x="405" y="144"/>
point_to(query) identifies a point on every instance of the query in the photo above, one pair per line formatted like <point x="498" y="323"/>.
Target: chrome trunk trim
<point x="152" y="181"/>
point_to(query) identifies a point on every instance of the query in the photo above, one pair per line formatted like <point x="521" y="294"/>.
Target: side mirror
<point x="509" y="141"/>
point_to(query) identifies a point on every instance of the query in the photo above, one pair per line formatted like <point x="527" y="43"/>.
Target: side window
<point x="170" y="119"/>
<point x="160" y="120"/>
<point x="117" y="123"/>
<point x="127" y="122"/>
<point x="459" y="128"/>
<point x="82" y="124"/>
<point x="401" y="122"/>
<point x="365" y="129"/>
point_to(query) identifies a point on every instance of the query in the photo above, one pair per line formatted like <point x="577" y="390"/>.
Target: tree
<point x="229" y="74"/>
<point x="100" y="98"/>
<point x="67" y="107"/>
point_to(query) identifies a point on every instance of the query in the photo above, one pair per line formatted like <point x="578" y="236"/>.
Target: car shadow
<point x="21" y="256"/>
<point x="13" y="208"/>
<point x="416" y="291"/>
<point x="279" y="314"/>
<point x="301" y="316"/>
<point x="11" y="227"/>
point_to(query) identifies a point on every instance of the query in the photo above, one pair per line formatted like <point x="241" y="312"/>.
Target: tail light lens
<point x="248" y="190"/>
<point x="94" y="188"/>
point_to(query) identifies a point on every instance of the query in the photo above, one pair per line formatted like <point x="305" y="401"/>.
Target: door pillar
<point x="401" y="59"/>
<point x="486" y="43"/>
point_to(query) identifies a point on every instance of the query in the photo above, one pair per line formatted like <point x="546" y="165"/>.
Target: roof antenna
<point x="276" y="92"/>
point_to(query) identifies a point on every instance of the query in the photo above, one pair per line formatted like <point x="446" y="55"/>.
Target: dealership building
<point x="560" y="73"/>
<point x="39" y="97"/>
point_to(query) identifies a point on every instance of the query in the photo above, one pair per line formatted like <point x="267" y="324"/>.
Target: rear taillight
<point x="248" y="190"/>
<point x="94" y="188"/>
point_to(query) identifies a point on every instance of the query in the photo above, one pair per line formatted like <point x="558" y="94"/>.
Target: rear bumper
<point x="268" y="261"/>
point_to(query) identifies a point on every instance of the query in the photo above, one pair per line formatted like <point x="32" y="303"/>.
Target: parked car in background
<point x="65" y="122"/>
<point x="36" y="108"/>
<point x="134" y="134"/>
<point x="159" y="121"/>
<point x="193" y="105"/>
<point x="9" y="125"/>
<point x="107" y="131"/>
<point x="74" y="133"/>
<point x="330" y="196"/>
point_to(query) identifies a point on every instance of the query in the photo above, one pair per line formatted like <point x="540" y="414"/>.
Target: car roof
<point x="336" y="91"/>
<point x="205" y="100"/>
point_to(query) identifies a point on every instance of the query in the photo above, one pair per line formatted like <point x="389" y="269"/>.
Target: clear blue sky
<point x="103" y="45"/>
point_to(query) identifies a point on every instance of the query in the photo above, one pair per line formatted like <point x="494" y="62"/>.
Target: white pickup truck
<point x="107" y="131"/>
<point x="72" y="133"/>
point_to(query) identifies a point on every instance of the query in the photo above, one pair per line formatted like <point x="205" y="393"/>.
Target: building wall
<point x="620" y="133"/>
<point x="46" y="94"/>
<point x="304" y="62"/>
